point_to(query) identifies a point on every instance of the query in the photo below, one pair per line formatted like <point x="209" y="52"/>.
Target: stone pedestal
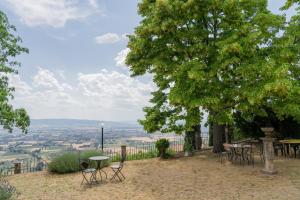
<point x="268" y="156"/>
<point x="17" y="167"/>
<point x="123" y="151"/>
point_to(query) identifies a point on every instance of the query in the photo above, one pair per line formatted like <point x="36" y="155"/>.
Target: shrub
<point x="162" y="145"/>
<point x="5" y="195"/>
<point x="187" y="147"/>
<point x="69" y="162"/>
<point x="66" y="163"/>
<point x="6" y="190"/>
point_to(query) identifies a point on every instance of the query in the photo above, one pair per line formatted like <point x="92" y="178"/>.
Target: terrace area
<point x="197" y="177"/>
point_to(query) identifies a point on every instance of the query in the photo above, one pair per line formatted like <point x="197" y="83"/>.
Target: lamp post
<point x="102" y="127"/>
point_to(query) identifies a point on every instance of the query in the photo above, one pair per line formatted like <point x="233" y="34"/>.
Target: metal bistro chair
<point x="88" y="173"/>
<point x="248" y="154"/>
<point x="278" y="147"/>
<point x="117" y="169"/>
<point x="238" y="154"/>
<point x="228" y="151"/>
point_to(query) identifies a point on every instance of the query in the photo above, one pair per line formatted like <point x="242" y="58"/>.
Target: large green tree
<point x="222" y="56"/>
<point x="10" y="48"/>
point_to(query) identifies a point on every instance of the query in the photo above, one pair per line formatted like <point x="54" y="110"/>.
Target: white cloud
<point x="121" y="57"/>
<point x="46" y="80"/>
<point x="115" y="88"/>
<point x="22" y="87"/>
<point x="108" y="38"/>
<point x="55" y="13"/>
<point x="93" y="3"/>
<point x="124" y="36"/>
<point x="61" y="74"/>
<point x="106" y="95"/>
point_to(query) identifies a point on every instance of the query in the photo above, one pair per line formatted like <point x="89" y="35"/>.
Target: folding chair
<point x="117" y="169"/>
<point x="220" y="153"/>
<point x="88" y="174"/>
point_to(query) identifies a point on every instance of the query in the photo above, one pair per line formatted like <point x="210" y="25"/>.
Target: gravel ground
<point x="195" y="178"/>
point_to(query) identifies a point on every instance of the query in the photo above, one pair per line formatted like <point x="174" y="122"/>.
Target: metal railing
<point x="135" y="151"/>
<point x="25" y="167"/>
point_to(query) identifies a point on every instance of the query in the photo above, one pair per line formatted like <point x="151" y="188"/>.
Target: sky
<point x="75" y="67"/>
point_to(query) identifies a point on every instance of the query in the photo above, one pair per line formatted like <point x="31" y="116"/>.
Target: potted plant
<point x="162" y="145"/>
<point x="188" y="149"/>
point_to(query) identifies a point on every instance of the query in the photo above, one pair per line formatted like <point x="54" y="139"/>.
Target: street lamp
<point x="102" y="127"/>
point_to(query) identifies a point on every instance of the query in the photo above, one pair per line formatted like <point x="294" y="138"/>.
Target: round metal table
<point x="288" y="143"/>
<point x="99" y="160"/>
<point x="239" y="150"/>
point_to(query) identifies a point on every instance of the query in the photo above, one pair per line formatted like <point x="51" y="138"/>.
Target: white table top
<point x="240" y="146"/>
<point x="98" y="158"/>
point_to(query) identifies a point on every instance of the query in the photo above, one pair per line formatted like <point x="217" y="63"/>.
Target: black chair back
<point x="122" y="160"/>
<point x="84" y="165"/>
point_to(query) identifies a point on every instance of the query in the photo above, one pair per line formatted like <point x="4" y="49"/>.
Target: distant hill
<point x="66" y="123"/>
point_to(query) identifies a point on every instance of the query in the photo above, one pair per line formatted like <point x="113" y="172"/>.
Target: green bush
<point x="4" y="194"/>
<point x="7" y="191"/>
<point x="66" y="163"/>
<point x="69" y="162"/>
<point x="187" y="147"/>
<point x="162" y="145"/>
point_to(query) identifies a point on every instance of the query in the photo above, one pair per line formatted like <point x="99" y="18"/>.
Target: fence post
<point x="17" y="167"/>
<point x="123" y="151"/>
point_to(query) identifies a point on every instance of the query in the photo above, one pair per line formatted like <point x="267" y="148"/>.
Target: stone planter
<point x="188" y="153"/>
<point x="268" y="131"/>
<point x="268" y="151"/>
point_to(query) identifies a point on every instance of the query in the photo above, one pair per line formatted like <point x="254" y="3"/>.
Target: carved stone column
<point x="123" y="151"/>
<point x="268" y="151"/>
<point x="17" y="167"/>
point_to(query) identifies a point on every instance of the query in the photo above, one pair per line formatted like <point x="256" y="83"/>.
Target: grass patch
<point x="150" y="154"/>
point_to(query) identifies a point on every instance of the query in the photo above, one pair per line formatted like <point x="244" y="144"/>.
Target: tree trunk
<point x="198" y="139"/>
<point x="218" y="135"/>
<point x="210" y="134"/>
<point x="227" y="134"/>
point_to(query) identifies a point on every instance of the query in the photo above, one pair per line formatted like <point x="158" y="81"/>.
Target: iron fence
<point x="25" y="167"/>
<point x="142" y="150"/>
<point x="135" y="150"/>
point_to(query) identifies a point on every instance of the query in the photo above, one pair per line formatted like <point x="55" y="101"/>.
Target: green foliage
<point x="69" y="162"/>
<point x="9" y="48"/>
<point x="290" y="3"/>
<point x="222" y="56"/>
<point x="188" y="146"/>
<point x="7" y="191"/>
<point x="4" y="194"/>
<point x="142" y="155"/>
<point x="66" y="163"/>
<point x="283" y="128"/>
<point x="162" y="145"/>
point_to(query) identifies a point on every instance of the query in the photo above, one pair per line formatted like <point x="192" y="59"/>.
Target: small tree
<point x="9" y="48"/>
<point x="162" y="145"/>
<point x="221" y="56"/>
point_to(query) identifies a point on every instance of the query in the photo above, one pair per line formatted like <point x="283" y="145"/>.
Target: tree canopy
<point x="218" y="56"/>
<point x="9" y="49"/>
